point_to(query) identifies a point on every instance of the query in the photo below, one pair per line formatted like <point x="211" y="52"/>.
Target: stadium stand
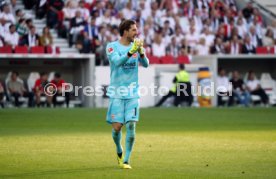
<point x="200" y="27"/>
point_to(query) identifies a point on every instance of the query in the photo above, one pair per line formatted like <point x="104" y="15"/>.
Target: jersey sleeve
<point x="144" y="61"/>
<point x="114" y="57"/>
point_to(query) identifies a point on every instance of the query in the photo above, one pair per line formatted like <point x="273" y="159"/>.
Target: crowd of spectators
<point x="17" y="28"/>
<point x="169" y="27"/>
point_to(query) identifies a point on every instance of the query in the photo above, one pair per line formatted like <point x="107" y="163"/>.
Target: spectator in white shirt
<point x="115" y="35"/>
<point x="19" y="15"/>
<point x="204" y="13"/>
<point x="144" y="11"/>
<point x="155" y="20"/>
<point x="185" y="46"/>
<point x="147" y="35"/>
<point x="77" y="25"/>
<point x="12" y="37"/>
<point x="32" y="38"/>
<point x="209" y="38"/>
<point x="241" y="28"/>
<point x="159" y="12"/>
<point x="240" y="16"/>
<point x="178" y="35"/>
<point x="167" y="30"/>
<point x="84" y="11"/>
<point x="257" y="25"/>
<point x="218" y="47"/>
<point x="207" y="24"/>
<point x="215" y="20"/>
<point x="192" y="23"/>
<point x="255" y="39"/>
<point x="234" y="47"/>
<point x="192" y="37"/>
<point x="107" y="18"/>
<point x="4" y="27"/>
<point x="168" y="18"/>
<point x="223" y="86"/>
<point x="7" y="15"/>
<point x="158" y="47"/>
<point x="140" y="22"/>
<point x="173" y="48"/>
<point x="183" y="22"/>
<point x="268" y="38"/>
<point x="248" y="47"/>
<point x="202" y="48"/>
<point x="197" y="19"/>
<point x="254" y="87"/>
<point x="128" y="13"/>
<point x="69" y="10"/>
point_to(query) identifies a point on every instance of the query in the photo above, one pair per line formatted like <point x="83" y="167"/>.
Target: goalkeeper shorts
<point x="122" y="110"/>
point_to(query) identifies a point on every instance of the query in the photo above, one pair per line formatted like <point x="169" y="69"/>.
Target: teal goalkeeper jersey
<point x="124" y="71"/>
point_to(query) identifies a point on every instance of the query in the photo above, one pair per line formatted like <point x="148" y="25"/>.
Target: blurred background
<point x="60" y="41"/>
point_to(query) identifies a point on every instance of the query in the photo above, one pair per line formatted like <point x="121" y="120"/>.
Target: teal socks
<point x="117" y="140"/>
<point x="130" y="138"/>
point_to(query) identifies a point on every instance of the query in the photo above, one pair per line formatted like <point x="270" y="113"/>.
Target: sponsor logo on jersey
<point x="134" y="55"/>
<point x="130" y="65"/>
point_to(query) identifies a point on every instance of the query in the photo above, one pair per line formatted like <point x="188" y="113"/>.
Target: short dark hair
<point x="182" y="66"/>
<point x="21" y="20"/>
<point x="12" y="25"/>
<point x="125" y="25"/>
<point x="17" y="11"/>
<point x="32" y="27"/>
<point x="29" y="21"/>
<point x="57" y="75"/>
<point x="15" y="72"/>
<point x="42" y="73"/>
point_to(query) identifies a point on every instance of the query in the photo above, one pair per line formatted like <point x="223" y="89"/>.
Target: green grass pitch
<point x="170" y="143"/>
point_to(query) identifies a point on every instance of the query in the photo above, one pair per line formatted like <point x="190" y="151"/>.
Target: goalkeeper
<point x="124" y="57"/>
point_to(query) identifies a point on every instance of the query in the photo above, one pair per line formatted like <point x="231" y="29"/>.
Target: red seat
<point x="272" y="50"/>
<point x="21" y="49"/>
<point x="49" y="50"/>
<point x="57" y="50"/>
<point x="168" y="59"/>
<point x="183" y="59"/>
<point x="6" y="49"/>
<point x="262" y="50"/>
<point x="37" y="50"/>
<point x="154" y="60"/>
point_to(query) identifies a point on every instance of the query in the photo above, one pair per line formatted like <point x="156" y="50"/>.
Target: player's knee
<point x="117" y="129"/>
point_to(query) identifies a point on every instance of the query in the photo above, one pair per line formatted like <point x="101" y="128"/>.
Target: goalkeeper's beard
<point x="131" y="39"/>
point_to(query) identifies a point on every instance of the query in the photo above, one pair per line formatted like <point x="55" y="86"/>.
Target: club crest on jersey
<point x="134" y="55"/>
<point x="110" y="50"/>
<point x="112" y="116"/>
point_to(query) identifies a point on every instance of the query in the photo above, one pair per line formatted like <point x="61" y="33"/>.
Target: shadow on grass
<point x="61" y="171"/>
